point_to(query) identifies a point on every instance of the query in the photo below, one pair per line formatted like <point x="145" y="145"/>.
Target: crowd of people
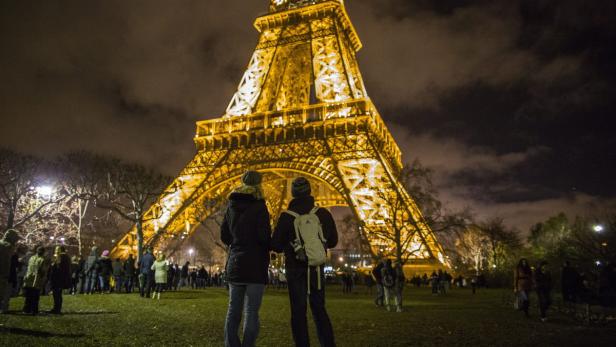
<point x="43" y="272"/>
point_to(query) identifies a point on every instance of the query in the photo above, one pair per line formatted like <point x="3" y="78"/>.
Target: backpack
<point x="309" y="238"/>
<point x="309" y="243"/>
<point x="388" y="278"/>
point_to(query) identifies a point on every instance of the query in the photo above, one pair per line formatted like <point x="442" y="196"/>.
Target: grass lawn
<point x="196" y="318"/>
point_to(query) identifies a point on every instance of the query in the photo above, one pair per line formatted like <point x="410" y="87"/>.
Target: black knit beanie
<point x="251" y="178"/>
<point x="300" y="187"/>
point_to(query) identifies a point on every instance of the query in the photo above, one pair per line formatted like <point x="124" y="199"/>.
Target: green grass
<point x="196" y="318"/>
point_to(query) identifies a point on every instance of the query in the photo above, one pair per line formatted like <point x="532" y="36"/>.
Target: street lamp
<point x="191" y="252"/>
<point x="598" y="228"/>
<point x="44" y="191"/>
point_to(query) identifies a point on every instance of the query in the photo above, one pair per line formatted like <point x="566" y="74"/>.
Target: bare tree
<point x="132" y="189"/>
<point x="472" y="247"/>
<point x="401" y="228"/>
<point x="21" y="195"/>
<point x="83" y="179"/>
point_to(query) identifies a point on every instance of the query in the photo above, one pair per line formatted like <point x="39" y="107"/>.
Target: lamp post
<point x="598" y="228"/>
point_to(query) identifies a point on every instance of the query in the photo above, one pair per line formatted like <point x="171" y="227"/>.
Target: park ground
<point x="196" y="318"/>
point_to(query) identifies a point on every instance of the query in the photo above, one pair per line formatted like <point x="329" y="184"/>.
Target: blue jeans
<point x="246" y="297"/>
<point x="91" y="282"/>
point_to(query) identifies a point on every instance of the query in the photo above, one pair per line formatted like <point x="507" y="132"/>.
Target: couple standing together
<point x="246" y="230"/>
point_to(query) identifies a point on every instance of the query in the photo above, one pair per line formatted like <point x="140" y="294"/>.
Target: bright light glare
<point x="598" y="228"/>
<point x="44" y="191"/>
<point x="191" y="251"/>
<point x="341" y="259"/>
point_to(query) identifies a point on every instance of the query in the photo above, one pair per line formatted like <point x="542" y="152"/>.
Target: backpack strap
<point x="295" y="226"/>
<point x="314" y="212"/>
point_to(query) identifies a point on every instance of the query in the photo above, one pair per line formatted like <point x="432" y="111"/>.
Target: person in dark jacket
<point x="76" y="270"/>
<point x="60" y="277"/>
<point x="91" y="270"/>
<point x="378" y="278"/>
<point x="7" y="250"/>
<point x="118" y="274"/>
<point x="105" y="270"/>
<point x="522" y="284"/>
<point x="569" y="282"/>
<point x="543" y="285"/>
<point x="129" y="273"/>
<point x="246" y="230"/>
<point x="299" y="274"/>
<point x="146" y="271"/>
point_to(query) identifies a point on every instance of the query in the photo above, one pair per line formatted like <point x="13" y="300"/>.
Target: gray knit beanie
<point x="300" y="187"/>
<point x="251" y="178"/>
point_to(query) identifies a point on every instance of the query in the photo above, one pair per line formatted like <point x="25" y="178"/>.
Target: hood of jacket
<point x="302" y="205"/>
<point x="240" y="202"/>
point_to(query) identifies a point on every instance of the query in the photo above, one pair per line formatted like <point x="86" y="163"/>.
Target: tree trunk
<point x="139" y="226"/>
<point x="11" y="219"/>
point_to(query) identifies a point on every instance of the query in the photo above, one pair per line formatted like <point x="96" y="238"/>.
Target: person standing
<point x="8" y="245"/>
<point x="160" y="268"/>
<point x="246" y="231"/>
<point x="60" y="277"/>
<point x="543" y="285"/>
<point x="523" y="282"/>
<point x="91" y="270"/>
<point x="75" y="273"/>
<point x="388" y="274"/>
<point x="106" y="269"/>
<point x="569" y="282"/>
<point x="184" y="275"/>
<point x="306" y="283"/>
<point x="118" y="275"/>
<point x="378" y="278"/>
<point x="434" y="282"/>
<point x="129" y="273"/>
<point x="34" y="281"/>
<point x="147" y="273"/>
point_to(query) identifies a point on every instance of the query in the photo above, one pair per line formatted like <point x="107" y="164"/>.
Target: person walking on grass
<point x="434" y="282"/>
<point x="60" y="277"/>
<point x="543" y="285"/>
<point x="118" y="275"/>
<point x="304" y="232"/>
<point x="246" y="230"/>
<point x="146" y="274"/>
<point x="35" y="281"/>
<point x="388" y="274"/>
<point x="129" y="273"/>
<point x="75" y="274"/>
<point x="378" y="278"/>
<point x="522" y="284"/>
<point x="105" y="271"/>
<point x="91" y="270"/>
<point x="8" y="245"/>
<point x="160" y="268"/>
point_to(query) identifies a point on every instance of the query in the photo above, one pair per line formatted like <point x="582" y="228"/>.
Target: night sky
<point x="511" y="101"/>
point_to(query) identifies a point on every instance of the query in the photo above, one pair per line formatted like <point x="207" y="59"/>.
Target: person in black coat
<point x="60" y="277"/>
<point x="299" y="274"/>
<point x="543" y="285"/>
<point x="246" y="231"/>
<point x="129" y="274"/>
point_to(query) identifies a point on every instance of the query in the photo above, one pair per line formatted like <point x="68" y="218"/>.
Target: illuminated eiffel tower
<point x="301" y="108"/>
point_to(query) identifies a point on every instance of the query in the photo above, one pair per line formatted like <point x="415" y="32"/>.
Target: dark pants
<point x="148" y="281"/>
<point x="57" y="300"/>
<point x="298" y="292"/>
<point x="118" y="284"/>
<point x="31" y="304"/>
<point x="544" y="301"/>
<point x="128" y="284"/>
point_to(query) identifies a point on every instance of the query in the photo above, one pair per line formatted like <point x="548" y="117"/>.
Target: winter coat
<point x="284" y="232"/>
<point x="247" y="231"/>
<point x="6" y="251"/>
<point x="388" y="271"/>
<point x="117" y="268"/>
<point x="376" y="272"/>
<point x="14" y="268"/>
<point x="129" y="267"/>
<point x="543" y="281"/>
<point x="104" y="266"/>
<point x="146" y="263"/>
<point x="160" y="271"/>
<point x="91" y="263"/>
<point x="523" y="279"/>
<point x="36" y="275"/>
<point x="60" y="272"/>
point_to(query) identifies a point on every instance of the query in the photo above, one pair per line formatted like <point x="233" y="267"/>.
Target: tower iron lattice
<point x="301" y="108"/>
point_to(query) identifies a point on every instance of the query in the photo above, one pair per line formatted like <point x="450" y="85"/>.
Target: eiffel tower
<point x="301" y="108"/>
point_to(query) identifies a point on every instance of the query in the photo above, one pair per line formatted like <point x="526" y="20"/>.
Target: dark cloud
<point x="510" y="101"/>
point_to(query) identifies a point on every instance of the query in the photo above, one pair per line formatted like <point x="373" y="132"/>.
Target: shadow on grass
<point x="36" y="333"/>
<point x="88" y="313"/>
